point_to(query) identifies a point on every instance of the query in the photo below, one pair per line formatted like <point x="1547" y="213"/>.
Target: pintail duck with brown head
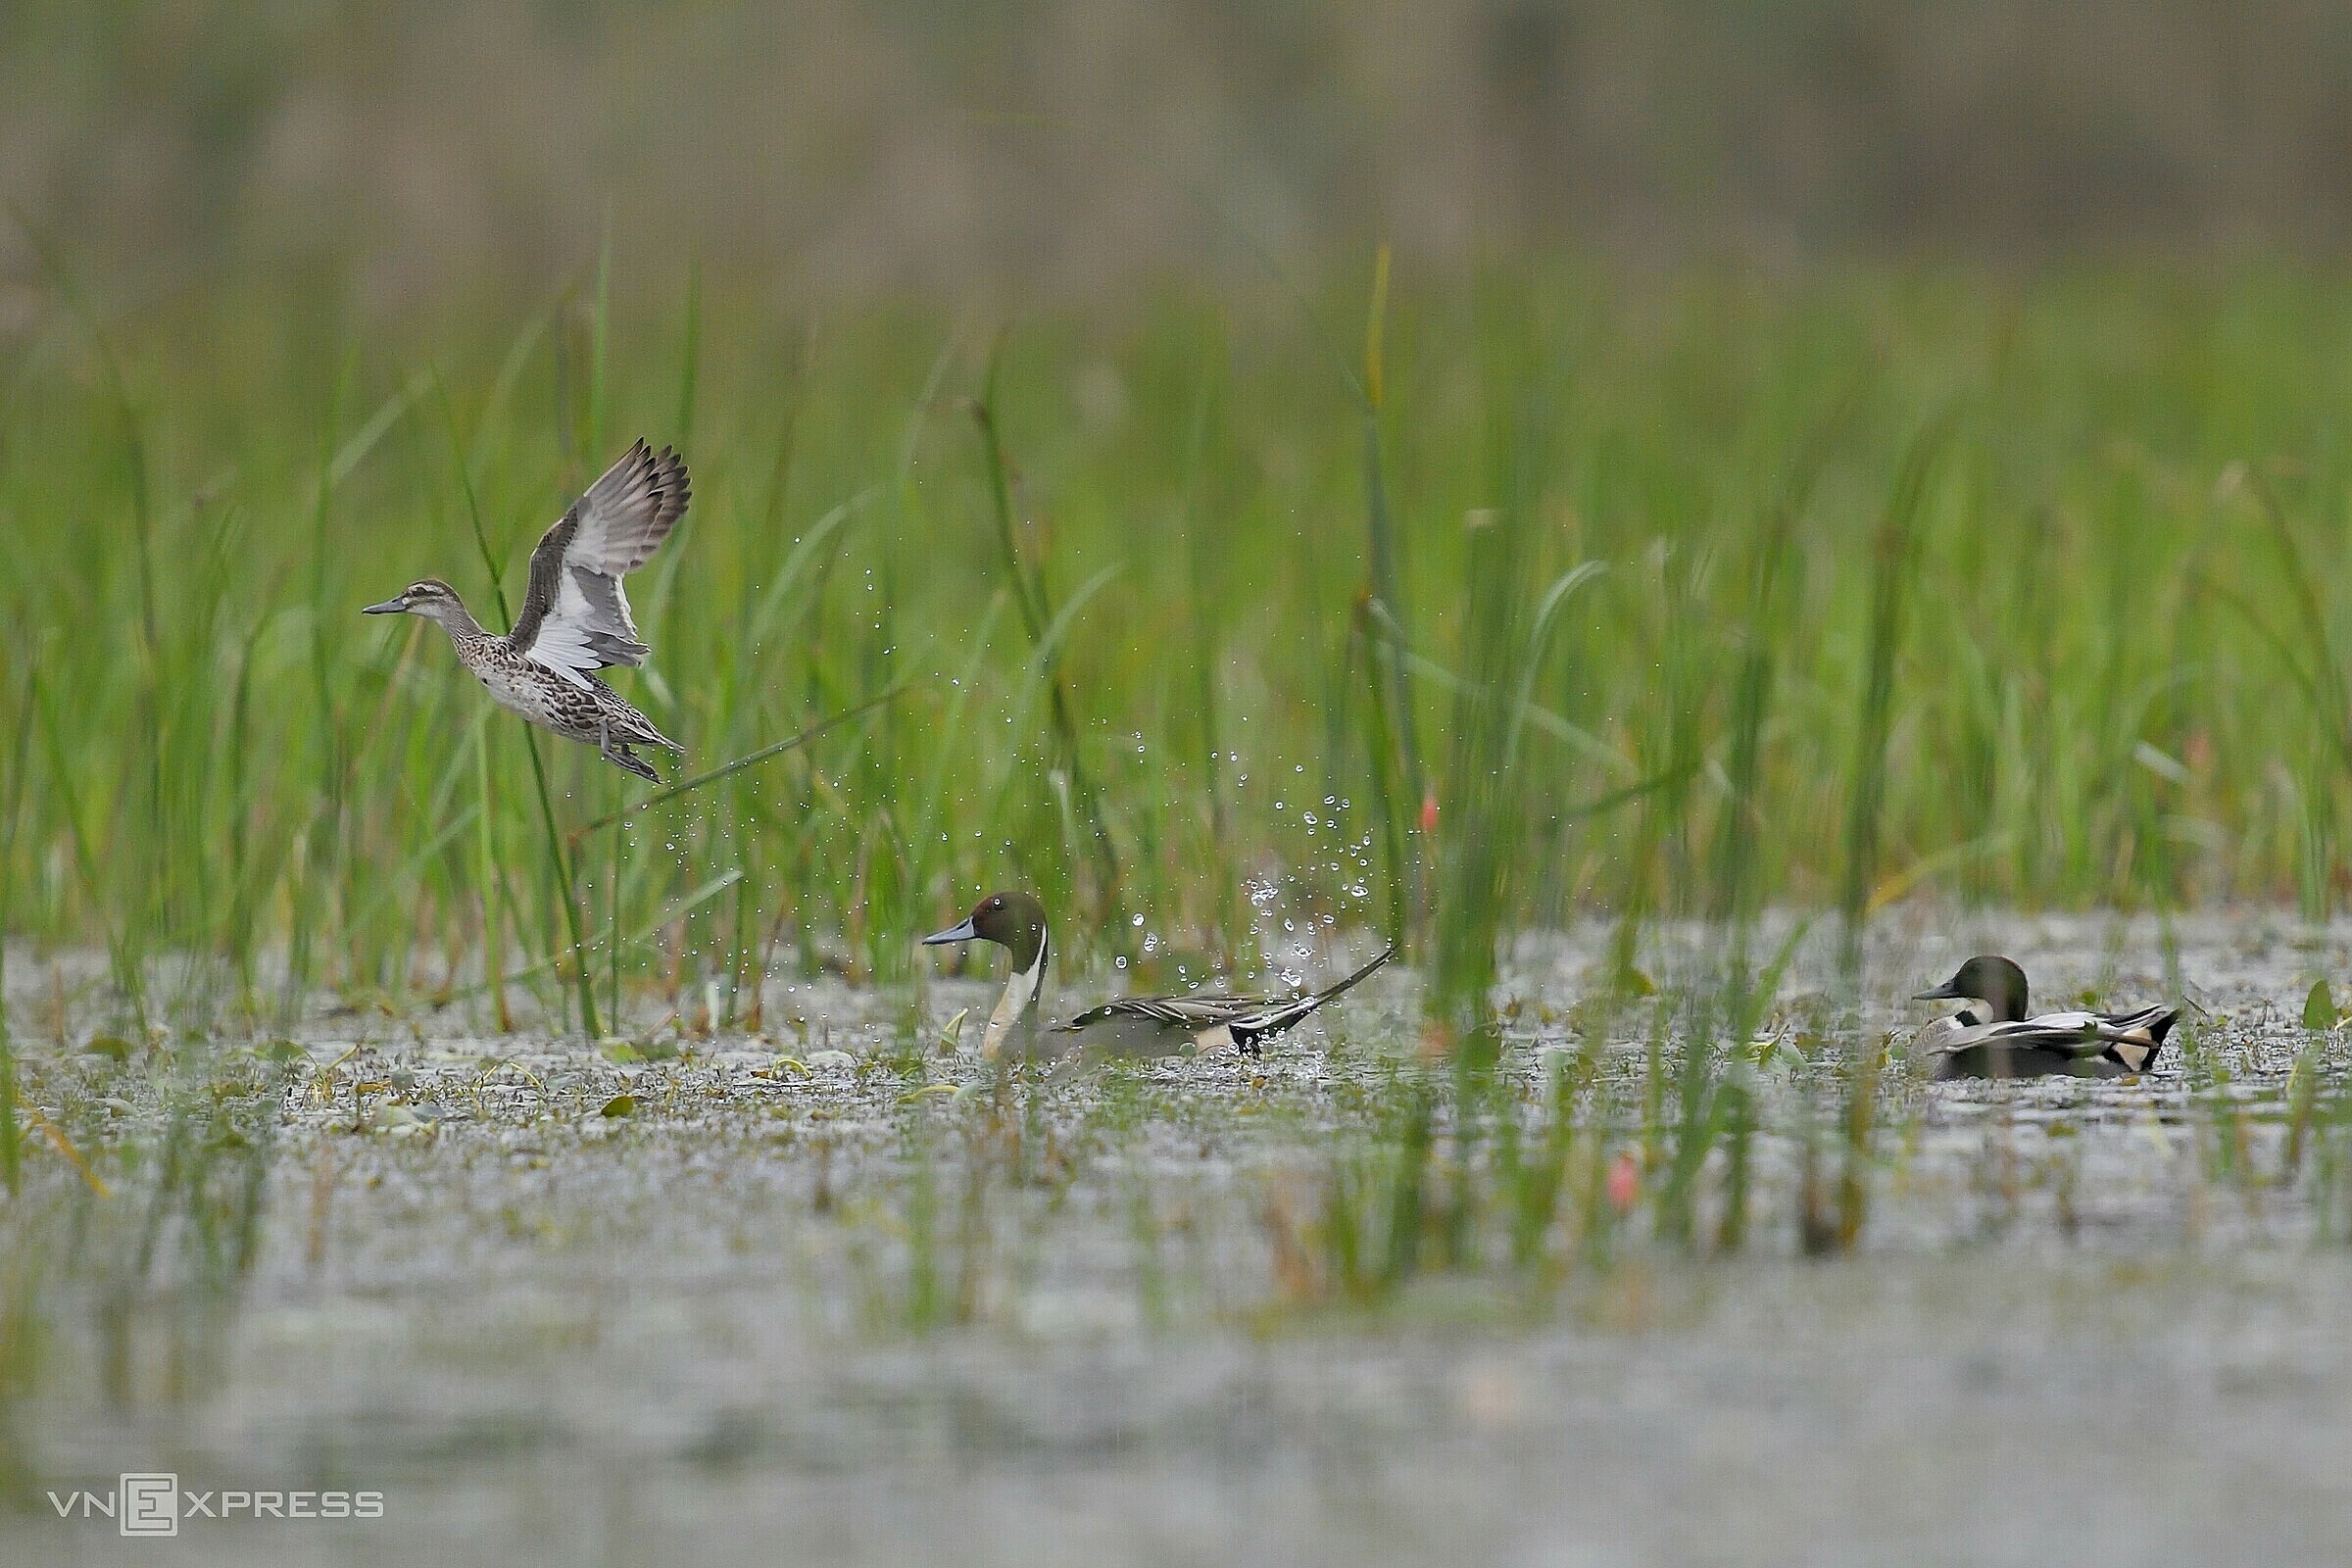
<point x="1993" y="1034"/>
<point x="1131" y="1026"/>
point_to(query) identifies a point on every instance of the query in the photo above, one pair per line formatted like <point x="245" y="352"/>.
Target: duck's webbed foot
<point x="618" y="752"/>
<point x="620" y="756"/>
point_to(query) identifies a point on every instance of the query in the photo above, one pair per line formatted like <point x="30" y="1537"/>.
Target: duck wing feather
<point x="2131" y="1040"/>
<point x="575" y="616"/>
<point x="1248" y="1017"/>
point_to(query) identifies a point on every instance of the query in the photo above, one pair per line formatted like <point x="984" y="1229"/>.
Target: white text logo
<point x="153" y="1504"/>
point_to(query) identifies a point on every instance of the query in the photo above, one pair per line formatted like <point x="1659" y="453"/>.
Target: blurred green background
<point x="439" y="145"/>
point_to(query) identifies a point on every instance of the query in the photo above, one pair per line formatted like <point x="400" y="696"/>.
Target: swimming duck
<point x="575" y="616"/>
<point x="1132" y="1026"/>
<point x="1992" y="1036"/>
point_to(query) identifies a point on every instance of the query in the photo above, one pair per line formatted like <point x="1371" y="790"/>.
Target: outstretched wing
<point x="575" y="617"/>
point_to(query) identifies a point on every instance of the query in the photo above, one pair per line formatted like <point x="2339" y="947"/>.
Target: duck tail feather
<point x="2148" y="1026"/>
<point x="1248" y="1032"/>
<point x="1360" y="975"/>
<point x="2139" y="1040"/>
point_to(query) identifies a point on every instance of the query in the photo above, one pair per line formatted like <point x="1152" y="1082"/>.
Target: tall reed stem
<point x="583" y="984"/>
<point x="1037" y="615"/>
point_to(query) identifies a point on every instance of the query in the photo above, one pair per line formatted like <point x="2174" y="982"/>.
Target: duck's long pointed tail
<point x="1291" y="1015"/>
<point x="1329" y="992"/>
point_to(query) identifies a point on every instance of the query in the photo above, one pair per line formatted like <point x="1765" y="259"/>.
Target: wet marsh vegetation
<point x="776" y="1270"/>
<point x="1684" y="671"/>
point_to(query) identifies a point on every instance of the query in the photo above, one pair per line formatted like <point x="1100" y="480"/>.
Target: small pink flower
<point x="1625" y="1183"/>
<point x="1428" y="812"/>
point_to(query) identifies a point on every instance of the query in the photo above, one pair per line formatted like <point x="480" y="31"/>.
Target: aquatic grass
<point x="1395" y="729"/>
<point x="2312" y="784"/>
<point x="1366" y="1231"/>
<point x="1894" y="563"/>
<point x="2329" y="1118"/>
<point x="30" y="1238"/>
<point x="1713" y="1102"/>
<point x="2051" y="743"/>
<point x="1206" y="612"/>
<point x="2303" y="1079"/>
<point x="560" y="860"/>
<point x="1043" y="625"/>
<point x="129" y="1252"/>
<point x="208" y="1188"/>
<point x="1488" y="1175"/>
<point x="11" y="804"/>
<point x="1486" y="781"/>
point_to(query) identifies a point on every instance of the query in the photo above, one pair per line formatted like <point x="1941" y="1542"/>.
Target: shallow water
<point x="765" y="1315"/>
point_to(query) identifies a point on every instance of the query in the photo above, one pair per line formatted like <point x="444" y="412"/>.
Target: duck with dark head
<point x="1131" y="1026"/>
<point x="1994" y="1035"/>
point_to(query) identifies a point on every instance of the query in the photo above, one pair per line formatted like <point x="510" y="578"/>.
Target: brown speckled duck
<point x="576" y="619"/>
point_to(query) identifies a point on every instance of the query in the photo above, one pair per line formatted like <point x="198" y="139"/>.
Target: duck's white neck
<point x="1016" y="1008"/>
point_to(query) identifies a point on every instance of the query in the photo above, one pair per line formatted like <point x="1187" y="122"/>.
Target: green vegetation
<point x="1574" y="595"/>
<point x="1126" y="570"/>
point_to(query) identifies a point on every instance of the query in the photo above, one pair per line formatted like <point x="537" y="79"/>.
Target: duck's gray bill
<point x="1943" y="992"/>
<point x="390" y="606"/>
<point x="954" y="933"/>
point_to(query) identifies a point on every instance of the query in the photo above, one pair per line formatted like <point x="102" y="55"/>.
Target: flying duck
<point x="576" y="619"/>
